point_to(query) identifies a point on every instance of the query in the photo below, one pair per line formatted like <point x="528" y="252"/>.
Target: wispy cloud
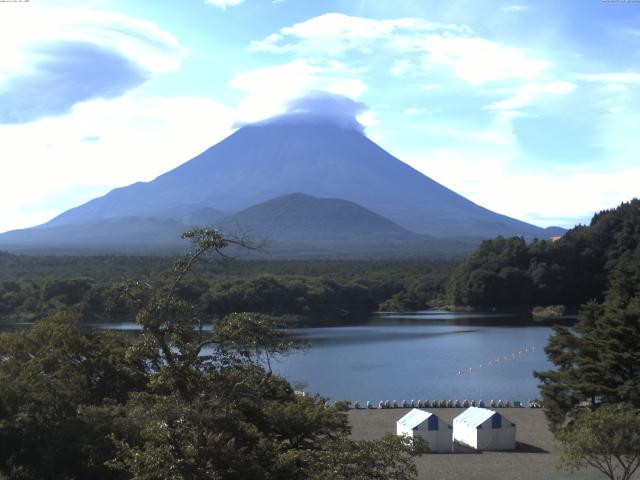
<point x="478" y="60"/>
<point x="515" y="8"/>
<point x="424" y="45"/>
<point x="224" y="3"/>
<point x="337" y="33"/>
<point x="630" y="78"/>
<point x="50" y="60"/>
<point x="65" y="74"/>
<point x="529" y="93"/>
<point x="413" y="111"/>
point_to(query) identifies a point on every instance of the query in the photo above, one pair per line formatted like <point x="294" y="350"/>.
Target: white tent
<point x="484" y="429"/>
<point x="428" y="426"/>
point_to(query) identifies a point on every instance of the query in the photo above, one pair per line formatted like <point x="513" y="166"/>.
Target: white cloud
<point x="134" y="140"/>
<point x="53" y="59"/>
<point x="402" y="67"/>
<point x="477" y="60"/>
<point x="474" y="59"/>
<point x="515" y="8"/>
<point x="139" y="40"/>
<point x="336" y="33"/>
<point x="225" y="3"/>
<point x="615" y="87"/>
<point x="430" y="87"/>
<point x="413" y="111"/>
<point x="530" y="92"/>
<point x="628" y="78"/>
<point x="269" y="89"/>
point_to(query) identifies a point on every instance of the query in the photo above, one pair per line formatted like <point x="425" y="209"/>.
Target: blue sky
<point x="527" y="108"/>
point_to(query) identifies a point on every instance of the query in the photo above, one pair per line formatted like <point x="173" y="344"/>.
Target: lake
<point x="429" y="355"/>
<point x="423" y="355"/>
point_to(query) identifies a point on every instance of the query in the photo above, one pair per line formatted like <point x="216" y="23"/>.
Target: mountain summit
<point x="296" y="152"/>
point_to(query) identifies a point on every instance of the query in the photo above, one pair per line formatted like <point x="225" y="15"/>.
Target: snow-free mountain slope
<point x="298" y="216"/>
<point x="308" y="155"/>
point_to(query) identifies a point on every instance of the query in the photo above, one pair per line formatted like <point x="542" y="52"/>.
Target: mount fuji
<point x="324" y="159"/>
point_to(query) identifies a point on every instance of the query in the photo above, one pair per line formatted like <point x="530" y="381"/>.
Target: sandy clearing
<point x="535" y="459"/>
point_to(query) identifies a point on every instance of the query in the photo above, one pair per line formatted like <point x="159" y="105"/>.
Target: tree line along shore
<point x="504" y="273"/>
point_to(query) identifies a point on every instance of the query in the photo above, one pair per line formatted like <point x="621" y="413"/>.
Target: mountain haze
<point x="356" y="185"/>
<point x="137" y="235"/>
<point x="319" y="158"/>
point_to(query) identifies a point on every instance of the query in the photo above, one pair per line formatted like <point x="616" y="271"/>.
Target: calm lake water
<point x="422" y="355"/>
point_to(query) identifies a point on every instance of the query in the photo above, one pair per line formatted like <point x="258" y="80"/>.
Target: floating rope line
<point x="497" y="361"/>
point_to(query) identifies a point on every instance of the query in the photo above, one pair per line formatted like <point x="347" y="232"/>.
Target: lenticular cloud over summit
<point x="321" y="106"/>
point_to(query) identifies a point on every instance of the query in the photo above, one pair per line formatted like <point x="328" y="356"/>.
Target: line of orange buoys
<point x="497" y="361"/>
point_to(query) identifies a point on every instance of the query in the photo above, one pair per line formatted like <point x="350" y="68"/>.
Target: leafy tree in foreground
<point x="61" y="393"/>
<point x="607" y="439"/>
<point x="215" y="412"/>
<point x="387" y="458"/>
<point x="185" y="400"/>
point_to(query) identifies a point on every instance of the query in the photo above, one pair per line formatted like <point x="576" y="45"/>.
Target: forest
<point x="570" y="271"/>
<point x="501" y="273"/>
<point x="93" y="287"/>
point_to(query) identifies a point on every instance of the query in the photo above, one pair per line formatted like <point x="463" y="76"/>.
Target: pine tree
<point x="598" y="360"/>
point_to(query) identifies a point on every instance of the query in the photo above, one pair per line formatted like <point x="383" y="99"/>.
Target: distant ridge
<point x="292" y="226"/>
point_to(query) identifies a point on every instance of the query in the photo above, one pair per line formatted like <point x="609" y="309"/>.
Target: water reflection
<point x="428" y="355"/>
<point x="419" y="355"/>
<point x="328" y="336"/>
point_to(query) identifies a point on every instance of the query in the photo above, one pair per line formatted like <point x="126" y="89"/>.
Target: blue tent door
<point x="496" y="421"/>
<point x="432" y="423"/>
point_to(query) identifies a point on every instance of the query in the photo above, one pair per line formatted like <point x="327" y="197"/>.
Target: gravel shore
<point x="536" y="457"/>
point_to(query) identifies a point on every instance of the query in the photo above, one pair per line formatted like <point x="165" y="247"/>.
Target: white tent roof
<point x="414" y="418"/>
<point x="474" y="417"/>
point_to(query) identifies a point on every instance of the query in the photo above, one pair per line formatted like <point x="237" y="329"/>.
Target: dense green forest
<point x="570" y="271"/>
<point x="176" y="402"/>
<point x="504" y="272"/>
<point x="96" y="287"/>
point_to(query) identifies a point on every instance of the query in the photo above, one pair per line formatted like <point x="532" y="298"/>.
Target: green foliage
<point x="30" y="287"/>
<point x="548" y="312"/>
<point x="387" y="458"/>
<point x="598" y="360"/>
<point x="59" y="396"/>
<point x="570" y="271"/>
<point x="607" y="439"/>
<point x="180" y="401"/>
